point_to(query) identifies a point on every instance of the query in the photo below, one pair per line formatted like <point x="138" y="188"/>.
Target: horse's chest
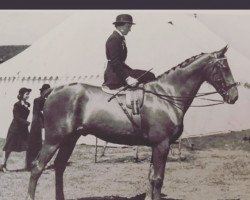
<point x="163" y="114"/>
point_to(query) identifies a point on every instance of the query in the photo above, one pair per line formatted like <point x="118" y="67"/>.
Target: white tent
<point x="223" y="118"/>
<point x="74" y="51"/>
<point x="232" y="27"/>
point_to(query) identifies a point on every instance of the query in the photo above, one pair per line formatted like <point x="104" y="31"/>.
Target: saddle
<point x="133" y="97"/>
<point x="133" y="100"/>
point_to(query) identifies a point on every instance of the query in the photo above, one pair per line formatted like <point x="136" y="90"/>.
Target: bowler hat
<point x="124" y="18"/>
<point x="44" y="87"/>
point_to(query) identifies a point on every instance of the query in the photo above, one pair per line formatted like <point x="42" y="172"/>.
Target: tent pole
<point x="95" y="149"/>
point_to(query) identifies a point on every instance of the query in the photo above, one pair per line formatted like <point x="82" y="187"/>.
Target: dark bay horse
<point x="166" y="101"/>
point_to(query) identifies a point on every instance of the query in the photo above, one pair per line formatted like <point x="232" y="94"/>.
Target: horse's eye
<point x="219" y="65"/>
<point x="217" y="78"/>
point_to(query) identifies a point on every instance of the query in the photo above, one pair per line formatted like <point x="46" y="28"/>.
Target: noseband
<point x="223" y="88"/>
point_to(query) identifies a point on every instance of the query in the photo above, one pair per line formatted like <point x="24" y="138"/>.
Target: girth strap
<point x="127" y="113"/>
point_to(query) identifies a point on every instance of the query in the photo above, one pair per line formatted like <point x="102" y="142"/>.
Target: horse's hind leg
<point x="46" y="153"/>
<point x="65" y="151"/>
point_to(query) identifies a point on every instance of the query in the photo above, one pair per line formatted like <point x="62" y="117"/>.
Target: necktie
<point x="123" y="42"/>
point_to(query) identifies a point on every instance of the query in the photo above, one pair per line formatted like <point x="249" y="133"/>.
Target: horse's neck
<point x="181" y="82"/>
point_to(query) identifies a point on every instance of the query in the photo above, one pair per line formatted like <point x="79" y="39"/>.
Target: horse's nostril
<point x="236" y="98"/>
<point x="232" y="101"/>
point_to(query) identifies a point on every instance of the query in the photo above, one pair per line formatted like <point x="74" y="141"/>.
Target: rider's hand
<point x="131" y="81"/>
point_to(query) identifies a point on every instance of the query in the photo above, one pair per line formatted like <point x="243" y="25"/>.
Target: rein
<point x="172" y="99"/>
<point x="176" y="100"/>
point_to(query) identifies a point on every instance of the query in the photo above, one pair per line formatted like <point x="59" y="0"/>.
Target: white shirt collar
<point x="24" y="104"/>
<point x="119" y="33"/>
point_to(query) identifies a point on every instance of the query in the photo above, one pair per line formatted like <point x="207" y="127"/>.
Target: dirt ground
<point x="219" y="171"/>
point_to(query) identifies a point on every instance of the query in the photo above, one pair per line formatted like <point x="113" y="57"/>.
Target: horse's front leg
<point x="157" y="170"/>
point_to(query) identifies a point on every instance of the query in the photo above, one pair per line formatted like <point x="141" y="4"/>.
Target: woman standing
<point x="18" y="133"/>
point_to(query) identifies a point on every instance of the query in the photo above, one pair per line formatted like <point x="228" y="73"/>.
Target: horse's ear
<point x="225" y="49"/>
<point x="221" y="52"/>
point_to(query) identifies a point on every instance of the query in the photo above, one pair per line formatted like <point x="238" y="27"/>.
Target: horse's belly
<point x="126" y="140"/>
<point x="125" y="135"/>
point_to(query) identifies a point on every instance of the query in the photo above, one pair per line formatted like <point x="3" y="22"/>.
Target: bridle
<point x="220" y="85"/>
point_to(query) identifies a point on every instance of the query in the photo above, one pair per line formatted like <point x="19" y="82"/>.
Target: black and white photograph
<point x="123" y="104"/>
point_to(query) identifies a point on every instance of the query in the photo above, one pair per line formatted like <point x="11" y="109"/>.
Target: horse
<point x="166" y="100"/>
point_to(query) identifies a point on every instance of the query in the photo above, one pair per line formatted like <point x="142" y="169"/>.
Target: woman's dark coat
<point x="117" y="71"/>
<point x="18" y="133"/>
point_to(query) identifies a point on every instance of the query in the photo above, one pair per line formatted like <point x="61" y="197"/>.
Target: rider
<point x="117" y="73"/>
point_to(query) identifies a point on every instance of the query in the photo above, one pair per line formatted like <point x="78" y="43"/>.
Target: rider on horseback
<point x="117" y="73"/>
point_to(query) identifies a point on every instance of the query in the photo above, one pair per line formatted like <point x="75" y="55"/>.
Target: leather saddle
<point x="134" y="101"/>
<point x="133" y="97"/>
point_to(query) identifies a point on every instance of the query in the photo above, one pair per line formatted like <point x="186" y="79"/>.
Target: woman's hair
<point x="22" y="91"/>
<point x="20" y="96"/>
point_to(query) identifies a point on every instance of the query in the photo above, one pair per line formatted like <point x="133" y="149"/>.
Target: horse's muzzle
<point x="232" y="101"/>
<point x="232" y="96"/>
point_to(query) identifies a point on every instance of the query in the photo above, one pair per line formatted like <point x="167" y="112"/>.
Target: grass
<point x="225" y="141"/>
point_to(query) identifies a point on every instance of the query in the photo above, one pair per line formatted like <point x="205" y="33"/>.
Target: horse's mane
<point x="183" y="64"/>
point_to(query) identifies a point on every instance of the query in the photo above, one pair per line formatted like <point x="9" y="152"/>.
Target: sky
<point x="25" y="27"/>
<point x="231" y="27"/>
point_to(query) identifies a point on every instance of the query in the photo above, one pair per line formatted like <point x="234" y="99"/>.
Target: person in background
<point x="117" y="73"/>
<point x="18" y="133"/>
<point x="37" y="124"/>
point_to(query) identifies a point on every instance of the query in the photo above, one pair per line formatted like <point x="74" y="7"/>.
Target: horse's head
<point x="219" y="75"/>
